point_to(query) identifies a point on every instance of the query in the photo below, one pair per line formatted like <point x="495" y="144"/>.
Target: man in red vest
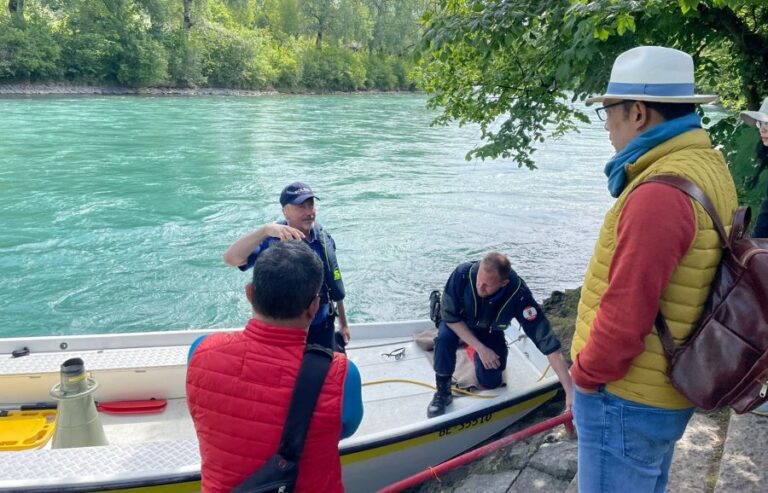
<point x="239" y="385"/>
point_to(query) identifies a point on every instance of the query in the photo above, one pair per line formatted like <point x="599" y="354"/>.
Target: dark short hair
<point x="498" y="262"/>
<point x="668" y="111"/>
<point x="286" y="278"/>
<point x="762" y="155"/>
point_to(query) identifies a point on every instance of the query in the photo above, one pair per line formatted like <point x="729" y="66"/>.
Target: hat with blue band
<point x="654" y="74"/>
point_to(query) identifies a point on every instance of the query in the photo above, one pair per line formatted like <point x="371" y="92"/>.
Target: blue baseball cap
<point x="296" y="194"/>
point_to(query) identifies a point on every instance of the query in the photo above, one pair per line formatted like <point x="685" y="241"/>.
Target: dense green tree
<point x="282" y="17"/>
<point x="333" y="69"/>
<point x="253" y="44"/>
<point x="320" y="15"/>
<point x="394" y="31"/>
<point x="16" y="9"/>
<point x="109" y="41"/>
<point x="516" y="66"/>
<point x="187" y="19"/>
<point x="352" y="24"/>
<point x="28" y="52"/>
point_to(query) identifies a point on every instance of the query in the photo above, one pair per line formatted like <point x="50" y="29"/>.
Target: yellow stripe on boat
<point x="188" y="487"/>
<point x="452" y="430"/>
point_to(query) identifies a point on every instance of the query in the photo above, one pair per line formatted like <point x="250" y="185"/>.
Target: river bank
<point x="62" y="89"/>
<point x="720" y="452"/>
<point x="545" y="462"/>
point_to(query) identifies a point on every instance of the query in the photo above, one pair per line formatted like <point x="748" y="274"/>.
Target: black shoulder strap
<point x="314" y="368"/>
<point x="466" y="279"/>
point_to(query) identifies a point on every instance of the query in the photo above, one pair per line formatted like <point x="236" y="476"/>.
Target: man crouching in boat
<point x="239" y="385"/>
<point x="478" y="304"/>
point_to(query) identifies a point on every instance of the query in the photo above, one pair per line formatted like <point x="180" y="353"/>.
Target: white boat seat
<point x="122" y="374"/>
<point x="107" y="359"/>
<point x="82" y="465"/>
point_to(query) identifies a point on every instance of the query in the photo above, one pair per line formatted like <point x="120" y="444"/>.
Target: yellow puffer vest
<point x="691" y="156"/>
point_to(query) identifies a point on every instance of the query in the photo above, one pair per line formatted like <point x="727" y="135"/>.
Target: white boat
<point x="159" y="452"/>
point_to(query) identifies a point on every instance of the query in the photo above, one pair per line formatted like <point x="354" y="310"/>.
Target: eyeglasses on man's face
<point x="602" y="112"/>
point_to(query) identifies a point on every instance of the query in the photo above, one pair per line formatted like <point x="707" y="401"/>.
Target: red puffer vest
<point x="239" y="387"/>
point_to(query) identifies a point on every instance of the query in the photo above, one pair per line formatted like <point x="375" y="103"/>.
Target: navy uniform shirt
<point x="521" y="306"/>
<point x="317" y="246"/>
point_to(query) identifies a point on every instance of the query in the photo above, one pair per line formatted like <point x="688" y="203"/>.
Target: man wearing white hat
<point x="657" y="251"/>
<point x="760" y="120"/>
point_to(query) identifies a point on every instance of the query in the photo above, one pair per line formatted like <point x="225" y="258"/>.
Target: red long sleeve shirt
<point x="655" y="231"/>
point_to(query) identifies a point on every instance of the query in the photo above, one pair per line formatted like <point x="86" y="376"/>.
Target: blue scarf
<point x="616" y="168"/>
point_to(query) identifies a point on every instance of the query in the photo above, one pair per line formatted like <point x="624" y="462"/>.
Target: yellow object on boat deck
<point x="24" y="430"/>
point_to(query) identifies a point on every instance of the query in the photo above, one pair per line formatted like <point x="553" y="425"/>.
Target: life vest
<point x="239" y="387"/>
<point x="332" y="282"/>
<point x="470" y="312"/>
<point x="691" y="156"/>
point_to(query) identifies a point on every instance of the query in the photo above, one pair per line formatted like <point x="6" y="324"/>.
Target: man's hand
<point x="283" y="232"/>
<point x="490" y="359"/>
<point x="345" y="333"/>
<point x="238" y="252"/>
<point x="568" y="398"/>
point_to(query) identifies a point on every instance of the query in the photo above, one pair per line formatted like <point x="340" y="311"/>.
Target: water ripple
<point x="115" y="211"/>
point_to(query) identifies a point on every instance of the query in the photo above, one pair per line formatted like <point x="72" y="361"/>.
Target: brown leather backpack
<point x="725" y="361"/>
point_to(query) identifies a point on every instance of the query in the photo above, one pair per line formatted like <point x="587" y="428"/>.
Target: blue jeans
<point x="447" y="342"/>
<point x="625" y="446"/>
<point x="762" y="408"/>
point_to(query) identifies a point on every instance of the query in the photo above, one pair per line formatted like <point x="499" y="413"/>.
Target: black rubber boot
<point x="442" y="398"/>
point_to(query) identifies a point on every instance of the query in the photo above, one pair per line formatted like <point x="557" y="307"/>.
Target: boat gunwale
<point x="440" y="424"/>
<point x="180" y="478"/>
<point x="415" y="430"/>
<point x="175" y="337"/>
<point x="109" y="484"/>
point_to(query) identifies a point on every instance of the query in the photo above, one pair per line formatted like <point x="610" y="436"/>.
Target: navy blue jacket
<point x="761" y="225"/>
<point x="323" y="245"/>
<point x="460" y="302"/>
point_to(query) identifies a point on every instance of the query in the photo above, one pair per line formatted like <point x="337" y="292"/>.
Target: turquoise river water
<point x="115" y="211"/>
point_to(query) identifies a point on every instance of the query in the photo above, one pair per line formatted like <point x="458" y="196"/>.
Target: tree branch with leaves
<point x="515" y="67"/>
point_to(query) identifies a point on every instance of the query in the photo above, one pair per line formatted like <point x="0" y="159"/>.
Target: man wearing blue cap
<point x="656" y="255"/>
<point x="298" y="202"/>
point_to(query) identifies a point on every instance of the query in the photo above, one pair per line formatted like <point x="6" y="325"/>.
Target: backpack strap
<point x="692" y="190"/>
<point x="665" y="336"/>
<point x="314" y="368"/>
<point x="697" y="194"/>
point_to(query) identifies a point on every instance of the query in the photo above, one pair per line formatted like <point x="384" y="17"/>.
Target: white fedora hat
<point x="655" y="74"/>
<point x="752" y="117"/>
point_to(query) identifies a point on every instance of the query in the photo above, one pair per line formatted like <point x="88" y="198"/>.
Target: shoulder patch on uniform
<point x="336" y="275"/>
<point x="530" y="313"/>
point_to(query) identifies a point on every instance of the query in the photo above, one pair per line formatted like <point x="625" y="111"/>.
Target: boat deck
<point x="165" y="444"/>
<point x="387" y="405"/>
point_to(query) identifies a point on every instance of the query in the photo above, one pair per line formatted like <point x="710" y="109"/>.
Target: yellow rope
<point x="454" y="389"/>
<point x="545" y="373"/>
<point x="416" y="382"/>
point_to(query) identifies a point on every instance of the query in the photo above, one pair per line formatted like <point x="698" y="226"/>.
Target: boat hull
<point x="371" y="469"/>
<point x="394" y="441"/>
